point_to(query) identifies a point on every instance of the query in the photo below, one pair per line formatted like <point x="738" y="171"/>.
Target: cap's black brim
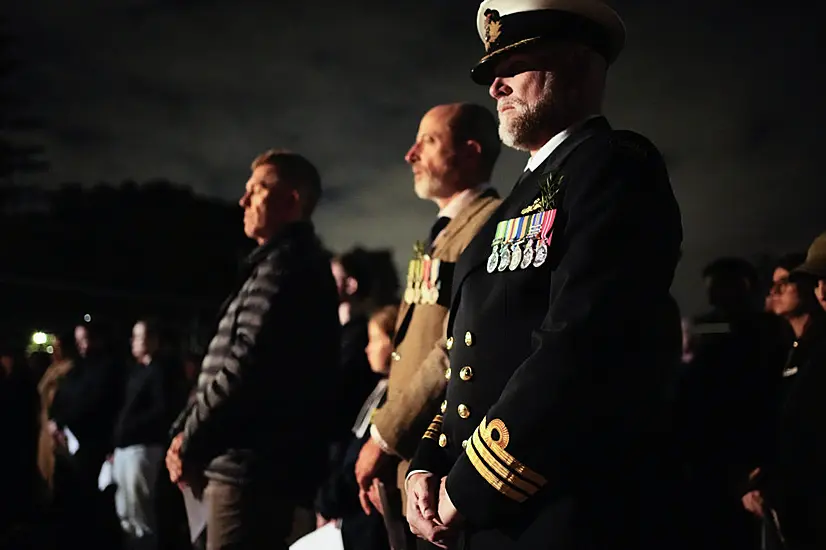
<point x="813" y="269"/>
<point x="483" y="72"/>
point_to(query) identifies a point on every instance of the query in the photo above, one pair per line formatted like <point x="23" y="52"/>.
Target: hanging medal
<point x="544" y="238"/>
<point x="493" y="259"/>
<point x="504" y="257"/>
<point x="426" y="283"/>
<point x="527" y="255"/>
<point x="417" y="272"/>
<point x="411" y="279"/>
<point x="435" y="283"/>
<point x="534" y="229"/>
<point x="417" y="283"/>
<point x="541" y="254"/>
<point x="505" y="249"/>
<point x="518" y="236"/>
<point x="516" y="257"/>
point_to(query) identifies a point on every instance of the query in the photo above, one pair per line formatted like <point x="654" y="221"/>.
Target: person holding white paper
<point x="140" y="434"/>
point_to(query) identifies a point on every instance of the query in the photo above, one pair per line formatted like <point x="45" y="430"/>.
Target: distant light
<point x="87" y="318"/>
<point x="49" y="349"/>
<point x="39" y="338"/>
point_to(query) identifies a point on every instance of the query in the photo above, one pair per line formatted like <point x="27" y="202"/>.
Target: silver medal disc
<point x="504" y="258"/>
<point x="527" y="255"/>
<point x="516" y="257"/>
<point x="541" y="254"/>
<point x="493" y="259"/>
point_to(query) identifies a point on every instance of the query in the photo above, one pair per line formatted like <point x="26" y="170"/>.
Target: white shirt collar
<point x="549" y="147"/>
<point x="460" y="201"/>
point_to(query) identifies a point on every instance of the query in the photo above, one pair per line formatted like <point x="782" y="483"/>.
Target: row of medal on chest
<point x="532" y="229"/>
<point x="423" y="283"/>
<point x="511" y="256"/>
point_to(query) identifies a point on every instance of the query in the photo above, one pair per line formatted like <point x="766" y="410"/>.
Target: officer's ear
<point x="473" y="147"/>
<point x="471" y="152"/>
<point x="351" y="286"/>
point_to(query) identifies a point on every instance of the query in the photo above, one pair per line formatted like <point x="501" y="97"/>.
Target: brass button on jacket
<point x="466" y="373"/>
<point x="444" y="406"/>
<point x="450" y="343"/>
<point x="447" y="374"/>
<point x="463" y="410"/>
<point x="443" y="440"/>
<point x="468" y="339"/>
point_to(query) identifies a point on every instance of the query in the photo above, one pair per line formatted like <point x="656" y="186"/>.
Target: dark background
<point x="189" y="92"/>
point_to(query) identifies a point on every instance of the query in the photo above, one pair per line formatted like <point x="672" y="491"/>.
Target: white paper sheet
<point x="325" y="538"/>
<point x="105" y="476"/>
<point x="71" y="441"/>
<point x="196" y="513"/>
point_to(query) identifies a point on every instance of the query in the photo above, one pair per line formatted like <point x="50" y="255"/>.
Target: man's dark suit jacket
<point x="553" y="431"/>
<point x="793" y="477"/>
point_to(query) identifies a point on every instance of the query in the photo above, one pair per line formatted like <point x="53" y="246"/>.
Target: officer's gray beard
<point x="524" y="129"/>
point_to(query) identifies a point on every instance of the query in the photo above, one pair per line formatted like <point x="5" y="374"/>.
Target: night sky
<point x="192" y="90"/>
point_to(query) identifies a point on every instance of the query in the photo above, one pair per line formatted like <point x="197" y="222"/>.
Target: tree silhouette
<point x="116" y="252"/>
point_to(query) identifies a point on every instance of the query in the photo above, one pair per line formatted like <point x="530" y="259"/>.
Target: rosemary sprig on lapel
<point x="549" y="190"/>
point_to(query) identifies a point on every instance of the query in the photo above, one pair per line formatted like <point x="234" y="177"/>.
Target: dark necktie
<point x="438" y="225"/>
<point x="525" y="175"/>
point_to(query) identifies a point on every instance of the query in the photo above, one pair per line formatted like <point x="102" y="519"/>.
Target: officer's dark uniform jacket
<point x="550" y="433"/>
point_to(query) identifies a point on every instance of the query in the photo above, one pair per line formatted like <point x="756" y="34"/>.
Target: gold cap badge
<point x="493" y="28"/>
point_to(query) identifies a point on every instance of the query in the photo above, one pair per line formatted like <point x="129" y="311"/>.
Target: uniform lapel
<point x="402" y="320"/>
<point x="463" y="218"/>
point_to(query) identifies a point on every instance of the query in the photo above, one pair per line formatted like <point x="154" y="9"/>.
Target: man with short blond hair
<point x="301" y="174"/>
<point x="255" y="428"/>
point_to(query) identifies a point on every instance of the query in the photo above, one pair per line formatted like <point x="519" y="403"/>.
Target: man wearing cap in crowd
<point x="559" y="438"/>
<point x="815" y="265"/>
<point x="788" y="491"/>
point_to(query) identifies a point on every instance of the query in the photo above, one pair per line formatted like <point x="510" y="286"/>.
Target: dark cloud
<point x="191" y="91"/>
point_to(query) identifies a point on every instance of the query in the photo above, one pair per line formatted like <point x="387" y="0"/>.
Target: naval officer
<point x="554" y="429"/>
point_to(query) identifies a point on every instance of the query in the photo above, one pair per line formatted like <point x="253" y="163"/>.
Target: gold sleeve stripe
<point x="498" y="446"/>
<point x="432" y="433"/>
<point x="499" y="485"/>
<point x="493" y="464"/>
<point x="434" y="429"/>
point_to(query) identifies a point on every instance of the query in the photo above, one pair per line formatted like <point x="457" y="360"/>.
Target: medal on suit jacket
<point x="413" y="290"/>
<point x="430" y="279"/>
<point x="498" y="239"/>
<point x="520" y="228"/>
<point x="510" y="254"/>
<point x="534" y="229"/>
<point x="544" y="240"/>
<point x="522" y="242"/>
<point x="423" y="283"/>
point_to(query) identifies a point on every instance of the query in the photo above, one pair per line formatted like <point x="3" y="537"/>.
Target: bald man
<point x="452" y="160"/>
